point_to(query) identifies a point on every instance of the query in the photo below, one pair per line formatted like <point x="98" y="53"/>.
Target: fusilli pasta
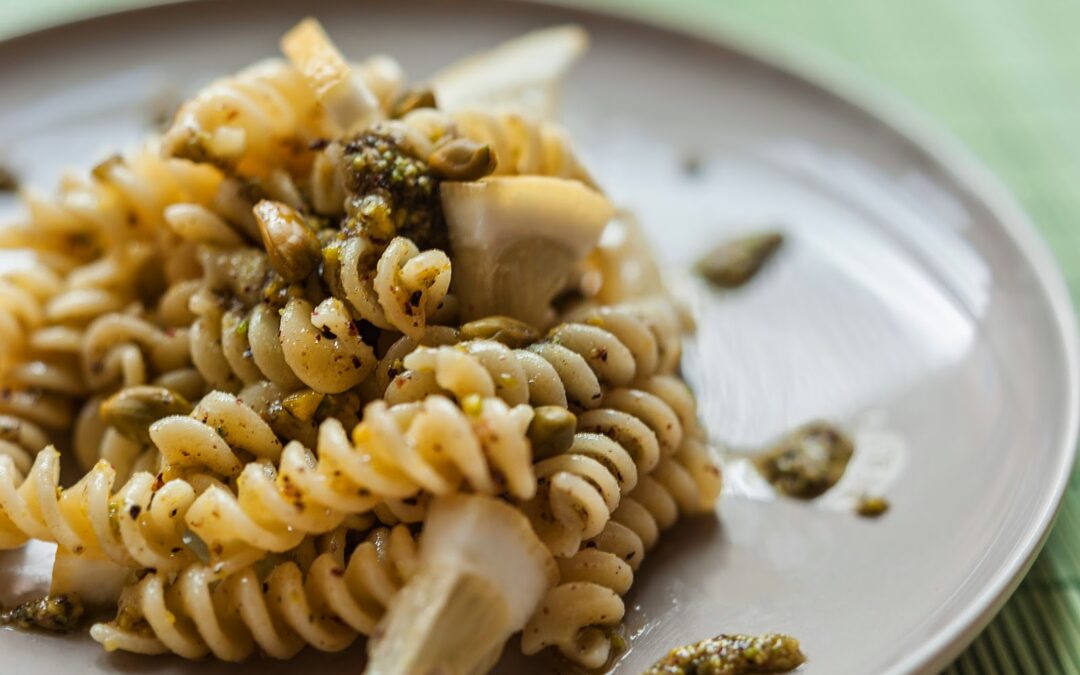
<point x="247" y="330"/>
<point x="574" y="614"/>
<point x="394" y="453"/>
<point x="140" y="525"/>
<point x="326" y="605"/>
<point x="569" y="367"/>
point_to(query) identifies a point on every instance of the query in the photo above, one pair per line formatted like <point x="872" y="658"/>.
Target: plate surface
<point x="912" y="303"/>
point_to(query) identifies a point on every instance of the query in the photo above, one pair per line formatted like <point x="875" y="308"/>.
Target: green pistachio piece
<point x="291" y="246"/>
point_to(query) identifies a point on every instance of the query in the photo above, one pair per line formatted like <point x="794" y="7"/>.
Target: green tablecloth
<point x="1004" y="76"/>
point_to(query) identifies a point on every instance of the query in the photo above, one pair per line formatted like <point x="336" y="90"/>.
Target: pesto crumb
<point x="732" y="655"/>
<point x="691" y="164"/>
<point x="872" y="507"/>
<point x="808" y="462"/>
<point x="54" y="613"/>
<point x="735" y="262"/>
<point x="8" y="181"/>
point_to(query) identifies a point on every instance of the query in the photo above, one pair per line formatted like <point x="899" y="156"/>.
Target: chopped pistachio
<point x="732" y="655"/>
<point x="303" y="404"/>
<point x="462" y="159"/>
<point x="132" y="410"/>
<point x="735" y="262"/>
<point x="808" y="461"/>
<point x="411" y="100"/>
<point x="291" y="246"/>
<point x="872" y="507"/>
<point x="55" y="613"/>
<point x="473" y="405"/>
<point x="511" y="332"/>
<point x="551" y="431"/>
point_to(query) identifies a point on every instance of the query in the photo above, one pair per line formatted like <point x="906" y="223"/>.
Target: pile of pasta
<point x="321" y="299"/>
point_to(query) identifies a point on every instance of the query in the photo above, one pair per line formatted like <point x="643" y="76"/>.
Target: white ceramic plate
<point x="913" y="303"/>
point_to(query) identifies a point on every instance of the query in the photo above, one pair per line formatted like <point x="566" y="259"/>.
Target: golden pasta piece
<point x="326" y="604"/>
<point x="395" y="454"/>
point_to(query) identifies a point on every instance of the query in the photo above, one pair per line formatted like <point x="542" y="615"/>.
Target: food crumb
<point x="808" y="462"/>
<point x="732" y="655"/>
<point x="691" y="165"/>
<point x="733" y="263"/>
<point x="8" y="181"/>
<point x="872" y="507"/>
<point x="54" y="613"/>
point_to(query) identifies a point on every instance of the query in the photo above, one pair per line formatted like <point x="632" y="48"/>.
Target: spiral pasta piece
<point x="262" y="117"/>
<point x="20" y="441"/>
<point x="141" y="525"/>
<point x="24" y="295"/>
<point x="576" y="616"/>
<point x="327" y="605"/>
<point x="401" y="291"/>
<point x="394" y="454"/>
<point x="569" y="367"/>
<point x="127" y="350"/>
<point x="652" y="325"/>
<point x="267" y="116"/>
<point x="218" y="435"/>
<point x="122" y="201"/>
<point x="315" y="346"/>
<point x="578" y="490"/>
<point x="523" y="145"/>
<point x="555" y="372"/>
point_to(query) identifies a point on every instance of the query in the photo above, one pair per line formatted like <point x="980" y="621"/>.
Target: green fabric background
<point x="1004" y="76"/>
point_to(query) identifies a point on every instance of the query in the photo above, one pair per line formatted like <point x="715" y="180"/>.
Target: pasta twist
<point x="55" y="310"/>
<point x="551" y="373"/>
<point x="39" y="377"/>
<point x="267" y="116"/>
<point x="315" y="346"/>
<point x="574" y="615"/>
<point x="219" y="435"/>
<point x="94" y="440"/>
<point x="128" y="350"/>
<point x="327" y="605"/>
<point x="403" y="288"/>
<point x="395" y="453"/>
<point x="569" y="367"/>
<point x="122" y="201"/>
<point x="262" y="117"/>
<point x="523" y="145"/>
<point x="141" y="525"/>
<point x="20" y="441"/>
<point x="580" y="488"/>
<point x="659" y="315"/>
<point x="24" y="295"/>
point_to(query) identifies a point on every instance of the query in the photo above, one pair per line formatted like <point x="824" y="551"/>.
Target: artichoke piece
<point x="519" y="241"/>
<point x="481" y="575"/>
<point x="346" y="98"/>
<point x="524" y="72"/>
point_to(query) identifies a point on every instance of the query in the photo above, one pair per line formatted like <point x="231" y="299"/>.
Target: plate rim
<point x="842" y="82"/>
